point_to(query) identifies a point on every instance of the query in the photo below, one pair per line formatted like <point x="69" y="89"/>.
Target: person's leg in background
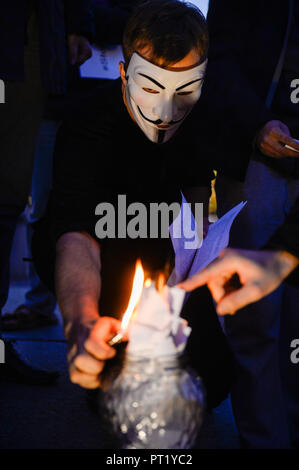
<point x="40" y="303"/>
<point x="253" y="333"/>
<point x="39" y="297"/>
<point x="20" y="118"/>
<point x="289" y="331"/>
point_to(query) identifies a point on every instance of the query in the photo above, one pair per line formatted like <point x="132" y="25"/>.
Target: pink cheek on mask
<point x="142" y="100"/>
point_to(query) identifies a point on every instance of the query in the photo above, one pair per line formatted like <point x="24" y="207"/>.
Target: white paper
<point x="103" y="63"/>
<point x="157" y="329"/>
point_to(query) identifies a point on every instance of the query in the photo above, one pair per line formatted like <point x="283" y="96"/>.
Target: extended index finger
<point x="215" y="269"/>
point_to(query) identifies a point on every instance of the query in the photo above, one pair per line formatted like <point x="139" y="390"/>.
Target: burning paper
<point x="157" y="329"/>
<point x="152" y="319"/>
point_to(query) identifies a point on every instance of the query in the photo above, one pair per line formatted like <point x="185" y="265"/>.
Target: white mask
<point x="170" y="97"/>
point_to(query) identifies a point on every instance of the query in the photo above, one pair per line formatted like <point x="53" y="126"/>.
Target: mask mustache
<point x="159" y="121"/>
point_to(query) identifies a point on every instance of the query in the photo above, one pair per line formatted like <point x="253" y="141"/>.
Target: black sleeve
<point x="74" y="196"/>
<point x="286" y="238"/>
<point x="72" y="201"/>
<point x="79" y="19"/>
<point x="227" y="89"/>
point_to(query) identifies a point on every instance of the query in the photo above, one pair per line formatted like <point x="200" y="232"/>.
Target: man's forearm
<point x="77" y="277"/>
<point x="78" y="286"/>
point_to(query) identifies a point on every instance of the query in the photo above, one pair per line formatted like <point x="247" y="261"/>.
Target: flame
<point x="160" y="283"/>
<point x="135" y="294"/>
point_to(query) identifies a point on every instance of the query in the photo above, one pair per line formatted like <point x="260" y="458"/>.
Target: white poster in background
<point x="202" y="5"/>
<point x="103" y="63"/>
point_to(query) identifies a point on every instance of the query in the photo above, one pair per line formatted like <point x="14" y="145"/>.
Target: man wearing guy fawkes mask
<point x="159" y="99"/>
<point x="134" y="140"/>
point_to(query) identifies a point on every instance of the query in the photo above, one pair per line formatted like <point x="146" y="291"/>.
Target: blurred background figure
<point x="109" y="17"/>
<point x="39" y="39"/>
<point x="251" y="133"/>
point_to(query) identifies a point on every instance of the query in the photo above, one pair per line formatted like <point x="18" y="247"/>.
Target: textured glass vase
<point x="154" y="404"/>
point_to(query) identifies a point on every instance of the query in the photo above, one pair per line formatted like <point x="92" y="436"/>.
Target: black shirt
<point x="282" y="103"/>
<point x="104" y="154"/>
<point x="283" y="107"/>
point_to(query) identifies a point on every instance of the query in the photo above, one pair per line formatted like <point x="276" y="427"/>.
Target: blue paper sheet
<point x="190" y="261"/>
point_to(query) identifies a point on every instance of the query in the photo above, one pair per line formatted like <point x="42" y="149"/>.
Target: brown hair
<point x="170" y="27"/>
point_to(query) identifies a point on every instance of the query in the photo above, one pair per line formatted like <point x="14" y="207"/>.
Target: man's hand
<point x="260" y="272"/>
<point x="273" y="137"/>
<point x="79" y="49"/>
<point x="78" y="287"/>
<point x="88" y="349"/>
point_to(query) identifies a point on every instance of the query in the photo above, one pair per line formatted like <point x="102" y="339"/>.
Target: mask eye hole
<point x="184" y="93"/>
<point x="150" y="90"/>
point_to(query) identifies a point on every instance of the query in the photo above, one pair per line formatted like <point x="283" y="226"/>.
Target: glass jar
<point x="154" y="404"/>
